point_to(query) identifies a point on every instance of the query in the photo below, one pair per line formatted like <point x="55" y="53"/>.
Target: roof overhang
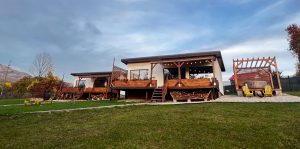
<point x="164" y="58"/>
<point x="91" y="74"/>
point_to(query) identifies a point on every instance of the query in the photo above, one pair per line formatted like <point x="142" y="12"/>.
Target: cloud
<point x="268" y="47"/>
<point x="87" y="35"/>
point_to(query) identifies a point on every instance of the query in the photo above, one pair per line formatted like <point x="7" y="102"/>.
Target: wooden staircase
<point x="159" y="94"/>
<point x="77" y="96"/>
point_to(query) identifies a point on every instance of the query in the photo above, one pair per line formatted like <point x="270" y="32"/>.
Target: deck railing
<point x="192" y="83"/>
<point x="135" y="83"/>
<point x="96" y="90"/>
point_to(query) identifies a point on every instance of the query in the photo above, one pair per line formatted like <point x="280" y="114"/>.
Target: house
<point x="189" y="76"/>
<point x="94" y="85"/>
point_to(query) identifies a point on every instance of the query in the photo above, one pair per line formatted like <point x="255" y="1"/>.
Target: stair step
<point x="156" y="96"/>
<point x="155" y="99"/>
<point x="157" y="93"/>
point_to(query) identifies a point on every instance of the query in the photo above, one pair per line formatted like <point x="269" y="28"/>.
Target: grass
<point x="11" y="101"/>
<point x="10" y="110"/>
<point x="294" y="93"/>
<point x="210" y="125"/>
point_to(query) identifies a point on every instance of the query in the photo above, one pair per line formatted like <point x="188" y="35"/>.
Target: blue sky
<point x="85" y="35"/>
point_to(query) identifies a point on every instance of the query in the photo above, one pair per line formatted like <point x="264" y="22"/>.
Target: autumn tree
<point x="22" y="86"/>
<point x="294" y="42"/>
<point x="42" y="64"/>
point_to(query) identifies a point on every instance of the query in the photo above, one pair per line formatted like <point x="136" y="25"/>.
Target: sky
<point x="85" y="35"/>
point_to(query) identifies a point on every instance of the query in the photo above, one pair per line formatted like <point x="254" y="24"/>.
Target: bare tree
<point x="42" y="64"/>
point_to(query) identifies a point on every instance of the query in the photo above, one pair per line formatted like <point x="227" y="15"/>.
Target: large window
<point x="80" y="84"/>
<point x="172" y="73"/>
<point x="201" y="72"/>
<point x="139" y="74"/>
<point x="100" y="82"/>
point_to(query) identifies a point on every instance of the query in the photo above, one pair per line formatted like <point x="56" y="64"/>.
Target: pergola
<point x="257" y="64"/>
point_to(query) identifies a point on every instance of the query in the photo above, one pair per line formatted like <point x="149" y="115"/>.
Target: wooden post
<point x="235" y="76"/>
<point x="179" y="73"/>
<point x="146" y="94"/>
<point x="213" y="81"/>
<point x="277" y="74"/>
<point x="213" y="66"/>
<point x="107" y="87"/>
<point x="179" y="64"/>
<point x="271" y="77"/>
<point x="118" y="94"/>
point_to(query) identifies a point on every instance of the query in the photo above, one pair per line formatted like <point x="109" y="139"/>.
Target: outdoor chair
<point x="37" y="102"/>
<point x="268" y="92"/>
<point x="247" y="92"/>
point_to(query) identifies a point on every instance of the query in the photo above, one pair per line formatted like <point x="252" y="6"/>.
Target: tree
<point x="42" y="65"/>
<point x="21" y="87"/>
<point x="294" y="41"/>
<point x="49" y="84"/>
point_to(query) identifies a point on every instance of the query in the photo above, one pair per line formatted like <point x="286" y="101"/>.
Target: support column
<point x="277" y="74"/>
<point x="179" y="73"/>
<point x="213" y="81"/>
<point x="235" y="75"/>
<point x="271" y="77"/>
<point x="179" y="64"/>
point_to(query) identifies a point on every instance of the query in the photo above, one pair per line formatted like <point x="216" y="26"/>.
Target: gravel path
<point x="283" y="98"/>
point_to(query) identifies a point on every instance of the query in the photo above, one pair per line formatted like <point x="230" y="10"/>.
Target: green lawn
<point x="11" y="101"/>
<point x="16" y="109"/>
<point x="294" y="93"/>
<point x="209" y="125"/>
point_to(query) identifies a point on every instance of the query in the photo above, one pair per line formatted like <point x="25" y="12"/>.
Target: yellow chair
<point x="247" y="92"/>
<point x="268" y="92"/>
<point x="27" y="102"/>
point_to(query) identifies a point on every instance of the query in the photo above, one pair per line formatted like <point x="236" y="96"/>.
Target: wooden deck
<point x="191" y="83"/>
<point x="71" y="90"/>
<point x="135" y="84"/>
<point x="96" y="90"/>
<point x="86" y="90"/>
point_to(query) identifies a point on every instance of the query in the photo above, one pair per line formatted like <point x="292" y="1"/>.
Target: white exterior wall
<point x="157" y="71"/>
<point x="218" y="75"/>
<point x="89" y="82"/>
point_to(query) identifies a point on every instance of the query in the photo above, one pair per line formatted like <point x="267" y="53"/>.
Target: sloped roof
<point x="216" y="54"/>
<point x="107" y="73"/>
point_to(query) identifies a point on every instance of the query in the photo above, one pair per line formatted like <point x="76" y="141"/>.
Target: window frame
<point x="78" y="83"/>
<point x="139" y="74"/>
